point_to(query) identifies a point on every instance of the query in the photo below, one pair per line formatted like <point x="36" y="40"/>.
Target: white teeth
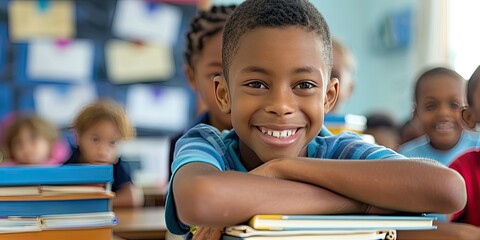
<point x="444" y="126"/>
<point x="278" y="134"/>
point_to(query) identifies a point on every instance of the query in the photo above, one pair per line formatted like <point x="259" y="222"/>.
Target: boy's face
<point x="98" y="145"/>
<point x="29" y="147"/>
<point x="208" y="64"/>
<point x="276" y="92"/>
<point x="439" y="105"/>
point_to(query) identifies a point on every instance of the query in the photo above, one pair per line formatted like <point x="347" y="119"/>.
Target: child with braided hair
<point x="203" y="61"/>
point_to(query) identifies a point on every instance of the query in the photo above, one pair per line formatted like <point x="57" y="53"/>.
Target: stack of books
<point x="317" y="227"/>
<point x="68" y="202"/>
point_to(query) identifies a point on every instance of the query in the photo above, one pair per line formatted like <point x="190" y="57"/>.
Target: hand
<point x="207" y="233"/>
<point x="268" y="169"/>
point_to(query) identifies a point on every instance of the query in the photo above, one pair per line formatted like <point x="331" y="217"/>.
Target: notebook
<point x="19" y="191"/>
<point x="82" y="220"/>
<point x="340" y="222"/>
<point x="246" y="232"/>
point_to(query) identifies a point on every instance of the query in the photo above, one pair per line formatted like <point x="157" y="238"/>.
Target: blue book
<point x="52" y="175"/>
<point x="34" y="206"/>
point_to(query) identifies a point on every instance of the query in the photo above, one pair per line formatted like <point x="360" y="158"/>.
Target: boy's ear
<point x="221" y="94"/>
<point x="190" y="76"/>
<point x="331" y="94"/>
<point x="469" y="118"/>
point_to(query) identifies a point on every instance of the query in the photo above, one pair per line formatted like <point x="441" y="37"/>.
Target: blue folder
<point x="51" y="175"/>
<point x="49" y="207"/>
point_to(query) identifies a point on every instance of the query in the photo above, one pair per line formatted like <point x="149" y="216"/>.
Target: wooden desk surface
<point x="140" y="223"/>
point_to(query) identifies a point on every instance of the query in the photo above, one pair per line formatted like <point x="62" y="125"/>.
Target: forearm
<point x="403" y="185"/>
<point x="227" y="198"/>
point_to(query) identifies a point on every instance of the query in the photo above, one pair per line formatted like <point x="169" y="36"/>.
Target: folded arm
<point x="205" y="196"/>
<point x="403" y="185"/>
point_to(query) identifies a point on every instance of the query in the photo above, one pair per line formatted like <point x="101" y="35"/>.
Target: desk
<point x="140" y="223"/>
<point x="154" y="196"/>
<point x="117" y="238"/>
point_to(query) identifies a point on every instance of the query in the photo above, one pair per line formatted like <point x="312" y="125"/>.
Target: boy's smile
<point x="276" y="93"/>
<point x="440" y="100"/>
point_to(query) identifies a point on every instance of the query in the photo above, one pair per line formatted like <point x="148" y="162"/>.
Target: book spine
<point x="39" y="208"/>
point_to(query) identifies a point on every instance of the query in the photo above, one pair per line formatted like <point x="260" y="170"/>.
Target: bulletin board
<point x="58" y="56"/>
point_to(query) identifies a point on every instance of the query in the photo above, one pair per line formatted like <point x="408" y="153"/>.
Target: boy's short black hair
<point x="433" y="72"/>
<point x="253" y="14"/>
<point x="472" y="84"/>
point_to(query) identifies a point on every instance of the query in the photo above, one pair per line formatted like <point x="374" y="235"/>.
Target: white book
<point x="80" y="220"/>
<point x="72" y="189"/>
<point x="19" y="191"/>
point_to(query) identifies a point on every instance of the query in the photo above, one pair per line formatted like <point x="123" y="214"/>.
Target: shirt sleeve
<point x="204" y="144"/>
<point x="347" y="145"/>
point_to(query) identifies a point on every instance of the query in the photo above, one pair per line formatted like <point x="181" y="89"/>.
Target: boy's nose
<point x="281" y="103"/>
<point x="445" y="110"/>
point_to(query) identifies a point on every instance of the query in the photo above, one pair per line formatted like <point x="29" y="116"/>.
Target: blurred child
<point x="382" y="127"/>
<point x="439" y="98"/>
<point x="203" y="57"/>
<point x="466" y="223"/>
<point x="30" y="139"/>
<point x="99" y="128"/>
<point x="343" y="69"/>
<point x="277" y="58"/>
<point x="468" y="164"/>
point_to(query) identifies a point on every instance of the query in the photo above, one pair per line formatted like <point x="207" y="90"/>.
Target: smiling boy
<point x="277" y="58"/>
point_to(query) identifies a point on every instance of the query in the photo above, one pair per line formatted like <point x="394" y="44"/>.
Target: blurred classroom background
<point x="58" y="55"/>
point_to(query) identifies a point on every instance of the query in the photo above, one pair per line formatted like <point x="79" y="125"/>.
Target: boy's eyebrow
<point x="256" y="69"/>
<point x="215" y="64"/>
<point x="306" y="69"/>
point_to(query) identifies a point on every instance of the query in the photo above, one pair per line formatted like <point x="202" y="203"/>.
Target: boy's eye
<point x="96" y="140"/>
<point x="305" y="85"/>
<point x="114" y="142"/>
<point x="430" y="107"/>
<point x="256" y="84"/>
<point x="455" y="106"/>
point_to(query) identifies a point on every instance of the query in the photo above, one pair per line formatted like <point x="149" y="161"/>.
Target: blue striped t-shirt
<point x="204" y="143"/>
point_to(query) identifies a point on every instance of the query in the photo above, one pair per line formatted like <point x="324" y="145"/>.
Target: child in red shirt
<point x="468" y="164"/>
